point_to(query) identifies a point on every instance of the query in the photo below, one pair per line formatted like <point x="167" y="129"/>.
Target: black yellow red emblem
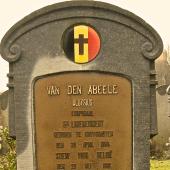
<point x="81" y="43"/>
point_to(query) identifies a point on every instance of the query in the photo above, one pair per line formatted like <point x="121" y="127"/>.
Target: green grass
<point x="160" y="165"/>
<point x="8" y="160"/>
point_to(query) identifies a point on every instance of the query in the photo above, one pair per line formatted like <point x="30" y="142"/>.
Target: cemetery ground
<point x="8" y="155"/>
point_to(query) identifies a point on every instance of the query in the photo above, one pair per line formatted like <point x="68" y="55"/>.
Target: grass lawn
<point x="160" y="165"/>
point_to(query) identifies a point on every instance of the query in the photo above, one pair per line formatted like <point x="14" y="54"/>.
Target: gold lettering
<point x="102" y="90"/>
<point x="62" y="155"/>
<point x="104" y="155"/>
<point x="105" y="144"/>
<point x="84" y="124"/>
<point x="115" y="89"/>
<point x="74" y="90"/>
<point x="53" y="90"/>
<point x="82" y="102"/>
<point x="88" y="145"/>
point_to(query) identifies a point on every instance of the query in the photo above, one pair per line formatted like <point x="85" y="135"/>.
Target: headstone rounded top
<point x="151" y="49"/>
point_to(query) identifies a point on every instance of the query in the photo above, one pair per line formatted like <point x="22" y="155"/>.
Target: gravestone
<point x="4" y="109"/>
<point x="82" y="87"/>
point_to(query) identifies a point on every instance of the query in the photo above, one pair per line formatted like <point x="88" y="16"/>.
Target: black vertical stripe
<point x="68" y="44"/>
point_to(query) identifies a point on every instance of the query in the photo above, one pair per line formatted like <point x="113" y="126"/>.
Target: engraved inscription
<point x="62" y="155"/>
<point x="53" y="90"/>
<point x="103" y="155"/>
<point x="82" y="102"/>
<point x="82" y="113"/>
<point x="74" y="90"/>
<point x="102" y="89"/>
<point x="83" y="124"/>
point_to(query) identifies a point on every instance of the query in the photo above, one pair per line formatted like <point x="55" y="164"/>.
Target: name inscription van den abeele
<point x="107" y="89"/>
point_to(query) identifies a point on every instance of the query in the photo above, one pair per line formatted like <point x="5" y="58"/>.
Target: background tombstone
<point x="163" y="109"/>
<point x="4" y="109"/>
<point x="34" y="50"/>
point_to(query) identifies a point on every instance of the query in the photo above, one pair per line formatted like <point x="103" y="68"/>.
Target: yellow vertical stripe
<point x="77" y="31"/>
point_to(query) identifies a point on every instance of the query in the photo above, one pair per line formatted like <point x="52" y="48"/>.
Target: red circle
<point x="93" y="43"/>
